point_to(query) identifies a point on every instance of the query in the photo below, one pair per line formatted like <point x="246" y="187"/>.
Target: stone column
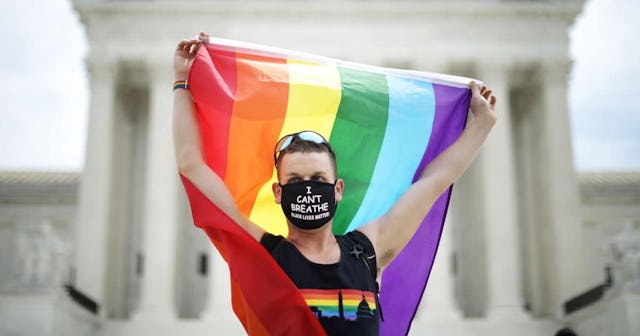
<point x="91" y="229"/>
<point x="219" y="312"/>
<point x="160" y="213"/>
<point x="500" y="203"/>
<point x="219" y="299"/>
<point x="560" y="199"/>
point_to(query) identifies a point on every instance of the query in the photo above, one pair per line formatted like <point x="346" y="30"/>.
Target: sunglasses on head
<point x="287" y="140"/>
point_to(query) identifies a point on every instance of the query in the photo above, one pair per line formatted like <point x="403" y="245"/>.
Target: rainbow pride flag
<point x="343" y="303"/>
<point x="385" y="125"/>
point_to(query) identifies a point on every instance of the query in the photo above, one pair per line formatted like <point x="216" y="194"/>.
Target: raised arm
<point x="391" y="232"/>
<point x="188" y="145"/>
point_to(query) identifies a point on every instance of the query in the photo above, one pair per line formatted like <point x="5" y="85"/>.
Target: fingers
<point x="186" y="44"/>
<point x="204" y="37"/>
<point x="183" y="44"/>
<point x="194" y="49"/>
<point x="189" y="47"/>
<point x="486" y="93"/>
<point x="479" y="91"/>
<point x="474" y="88"/>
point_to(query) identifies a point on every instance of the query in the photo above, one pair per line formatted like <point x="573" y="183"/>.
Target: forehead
<point x="303" y="164"/>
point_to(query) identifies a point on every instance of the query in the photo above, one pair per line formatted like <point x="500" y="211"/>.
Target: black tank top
<point x="342" y="295"/>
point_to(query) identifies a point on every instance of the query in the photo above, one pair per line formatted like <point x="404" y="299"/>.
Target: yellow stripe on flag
<point x="314" y="97"/>
<point x="334" y="303"/>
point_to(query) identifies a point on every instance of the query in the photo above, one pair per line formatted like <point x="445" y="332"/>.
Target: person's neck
<point x="319" y="245"/>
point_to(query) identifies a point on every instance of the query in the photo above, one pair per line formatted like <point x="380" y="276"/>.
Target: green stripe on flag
<point x="357" y="137"/>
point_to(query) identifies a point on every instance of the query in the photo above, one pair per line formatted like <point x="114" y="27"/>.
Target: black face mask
<point x="308" y="204"/>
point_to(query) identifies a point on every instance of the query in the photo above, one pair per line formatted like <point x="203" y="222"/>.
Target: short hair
<point x="566" y="332"/>
<point x="305" y="146"/>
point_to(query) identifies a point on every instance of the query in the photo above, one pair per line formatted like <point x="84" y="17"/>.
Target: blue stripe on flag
<point x="412" y="108"/>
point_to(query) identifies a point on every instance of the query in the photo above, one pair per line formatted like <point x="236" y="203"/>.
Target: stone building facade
<point x="514" y="250"/>
<point x="41" y="207"/>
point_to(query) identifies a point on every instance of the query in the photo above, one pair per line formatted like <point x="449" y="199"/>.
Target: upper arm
<point x="212" y="186"/>
<point x="392" y="231"/>
<point x="188" y="154"/>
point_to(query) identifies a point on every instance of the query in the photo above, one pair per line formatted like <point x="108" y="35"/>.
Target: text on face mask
<point x="306" y="208"/>
<point x="310" y="217"/>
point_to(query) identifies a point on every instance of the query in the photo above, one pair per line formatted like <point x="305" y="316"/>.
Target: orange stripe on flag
<point x="255" y="125"/>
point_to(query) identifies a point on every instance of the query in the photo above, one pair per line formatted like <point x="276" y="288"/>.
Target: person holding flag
<point x="335" y="274"/>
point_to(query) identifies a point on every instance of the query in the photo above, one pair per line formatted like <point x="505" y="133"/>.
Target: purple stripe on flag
<point x="400" y="294"/>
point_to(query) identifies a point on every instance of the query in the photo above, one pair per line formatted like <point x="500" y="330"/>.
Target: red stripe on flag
<point x="212" y="81"/>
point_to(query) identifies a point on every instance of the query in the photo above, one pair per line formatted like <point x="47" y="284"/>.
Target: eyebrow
<point x="317" y="173"/>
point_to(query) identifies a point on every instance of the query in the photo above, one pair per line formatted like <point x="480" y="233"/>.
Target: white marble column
<point x="160" y="213"/>
<point x="500" y="204"/>
<point x="563" y="229"/>
<point x="92" y="225"/>
<point x="219" y="298"/>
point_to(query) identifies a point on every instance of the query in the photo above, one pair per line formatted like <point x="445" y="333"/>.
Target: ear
<point x="338" y="189"/>
<point x="277" y="192"/>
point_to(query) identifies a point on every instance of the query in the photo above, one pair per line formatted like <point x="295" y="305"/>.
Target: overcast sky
<point x="44" y="90"/>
